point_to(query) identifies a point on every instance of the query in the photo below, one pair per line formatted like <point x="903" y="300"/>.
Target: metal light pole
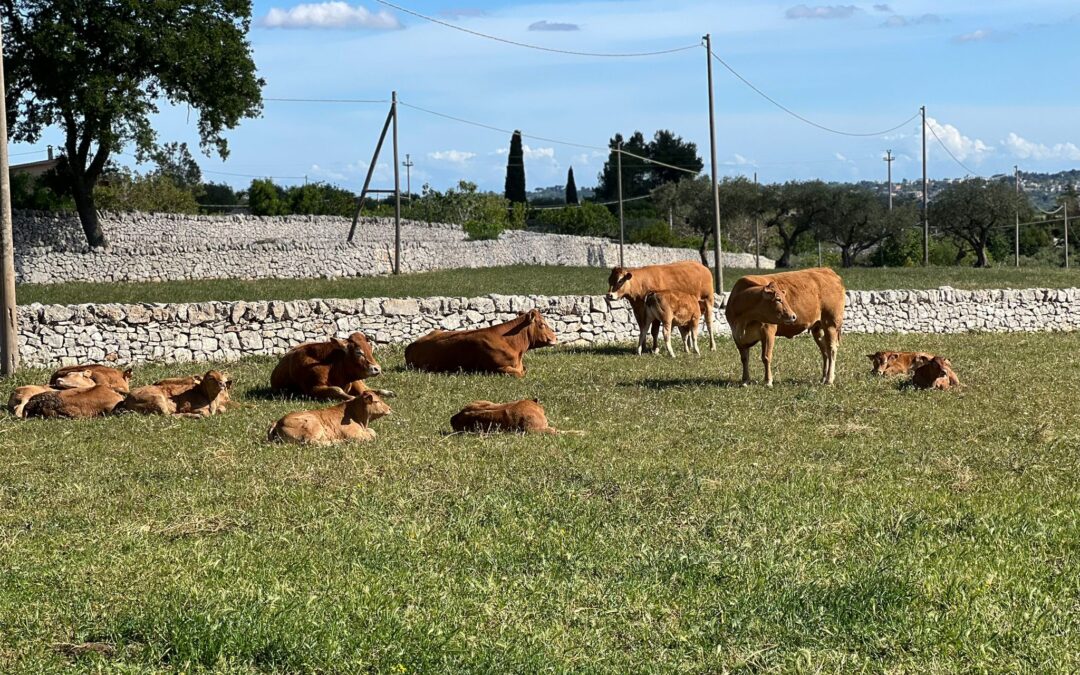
<point x="408" y="164"/>
<point x="889" y="160"/>
<point x="1016" y="170"/>
<point x="1066" y="234"/>
<point x="718" y="253"/>
<point x="618" y="182"/>
<point x="9" y="329"/>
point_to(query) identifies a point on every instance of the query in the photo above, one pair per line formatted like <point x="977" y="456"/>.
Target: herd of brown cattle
<point x="759" y="308"/>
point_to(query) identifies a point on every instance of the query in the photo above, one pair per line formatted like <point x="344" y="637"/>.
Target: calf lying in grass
<point x="74" y="403"/>
<point x="70" y="380"/>
<point x="346" y="421"/>
<point x="897" y="363"/>
<point x="186" y="397"/>
<point x="524" y="416"/>
<point x="936" y="374"/>
<point x="107" y="375"/>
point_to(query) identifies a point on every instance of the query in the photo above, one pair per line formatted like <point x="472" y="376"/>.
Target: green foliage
<point x="977" y="212"/>
<point x="856" y="220"/>
<point x="151" y="193"/>
<point x="174" y="161"/>
<point x="639" y="177"/>
<point x="99" y="70"/>
<point x="571" y="188"/>
<point x="464" y="204"/>
<point x="515" y="191"/>
<point x="266" y="199"/>
<point x="320" y="199"/>
<point x="519" y="214"/>
<point x="32" y="193"/>
<point x="657" y="233"/>
<point x="217" y="194"/>
<point x="690" y="201"/>
<point x="589" y="219"/>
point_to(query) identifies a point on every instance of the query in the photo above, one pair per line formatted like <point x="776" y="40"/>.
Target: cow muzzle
<point x="790" y="319"/>
<point x="374" y="370"/>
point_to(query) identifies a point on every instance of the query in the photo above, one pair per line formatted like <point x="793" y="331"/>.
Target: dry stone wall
<point x="52" y="335"/>
<point x="50" y="248"/>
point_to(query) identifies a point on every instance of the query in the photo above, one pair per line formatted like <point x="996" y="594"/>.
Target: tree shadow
<point x="681" y="383"/>
<point x="268" y="394"/>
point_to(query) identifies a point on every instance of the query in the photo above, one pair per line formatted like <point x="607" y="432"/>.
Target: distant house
<point x="36" y="168"/>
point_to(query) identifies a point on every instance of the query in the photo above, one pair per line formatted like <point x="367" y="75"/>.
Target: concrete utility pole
<point x="925" y="197"/>
<point x="397" y="190"/>
<point x="1016" y="173"/>
<point x="1066" y="205"/>
<point x="408" y="164"/>
<point x="718" y="253"/>
<point x="889" y="159"/>
<point x="757" y="234"/>
<point x="618" y="182"/>
<point x="9" y="328"/>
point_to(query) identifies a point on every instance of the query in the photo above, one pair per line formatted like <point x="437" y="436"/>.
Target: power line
<point x="29" y="152"/>
<point x="327" y="100"/>
<point x="946" y="149"/>
<point x="500" y="130"/>
<point x="799" y="117"/>
<point x="561" y="206"/>
<point x="692" y="172"/>
<point x="531" y="46"/>
<point x="248" y="175"/>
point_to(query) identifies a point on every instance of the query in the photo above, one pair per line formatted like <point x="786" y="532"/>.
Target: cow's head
<point x="617" y="281"/>
<point x="358" y="355"/>
<point x="935" y="368"/>
<point x="214" y="382"/>
<point x="880" y="361"/>
<point x="777" y="307"/>
<point x="366" y="407"/>
<point x="76" y="379"/>
<point x="540" y="333"/>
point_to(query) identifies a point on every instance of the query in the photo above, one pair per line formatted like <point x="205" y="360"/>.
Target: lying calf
<point x="524" y="416"/>
<point x="106" y="375"/>
<point x="208" y="395"/>
<point x="936" y="374"/>
<point x="74" y="403"/>
<point x="678" y="308"/>
<point x="73" y="380"/>
<point x="346" y="421"/>
<point x="897" y="363"/>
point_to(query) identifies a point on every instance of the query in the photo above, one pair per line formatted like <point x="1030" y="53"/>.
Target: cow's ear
<point x="891" y="357"/>
<point x="367" y="396"/>
<point x="536" y="400"/>
<point x="628" y="276"/>
<point x="871" y="356"/>
<point x="340" y="344"/>
<point x="127" y="373"/>
<point x="531" y="315"/>
<point x="88" y="374"/>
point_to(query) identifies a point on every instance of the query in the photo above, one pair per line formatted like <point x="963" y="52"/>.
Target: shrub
<point x="585" y="220"/>
<point x="123" y="191"/>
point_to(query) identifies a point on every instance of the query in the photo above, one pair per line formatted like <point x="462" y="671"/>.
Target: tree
<point x="97" y="70"/>
<point x="515" y="171"/>
<point x="793" y="209"/>
<point x="856" y="221"/>
<point x="639" y="175"/>
<point x="571" y="188"/>
<point x="691" y="202"/>
<point x="1071" y="201"/>
<point x="174" y="160"/>
<point x="217" y="194"/>
<point x="121" y="190"/>
<point x="265" y="198"/>
<point x="975" y="210"/>
<point x="670" y="149"/>
<point x="635" y="171"/>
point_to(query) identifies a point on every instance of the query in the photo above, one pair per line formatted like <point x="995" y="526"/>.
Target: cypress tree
<point x="515" y="171"/>
<point x="571" y="188"/>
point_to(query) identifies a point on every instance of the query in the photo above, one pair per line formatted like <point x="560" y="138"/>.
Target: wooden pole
<point x="371" y="171"/>
<point x="9" y="327"/>
<point x="718" y="271"/>
<point x="618" y="182"/>
<point x="397" y="190"/>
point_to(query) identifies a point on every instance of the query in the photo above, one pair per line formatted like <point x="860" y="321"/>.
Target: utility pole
<point x="1016" y="173"/>
<point x="889" y="159"/>
<point x="718" y="252"/>
<point x="757" y="233"/>
<point x="1066" y="205"/>
<point x="9" y="329"/>
<point x="618" y="183"/>
<point x="397" y="190"/>
<point x="408" y="164"/>
<point x="925" y="197"/>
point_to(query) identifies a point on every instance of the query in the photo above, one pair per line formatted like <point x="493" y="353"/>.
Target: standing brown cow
<point x="761" y="307"/>
<point x="495" y="349"/>
<point x="634" y="283"/>
<point x="326" y="369"/>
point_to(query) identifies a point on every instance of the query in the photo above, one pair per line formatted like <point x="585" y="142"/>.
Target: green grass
<point x="697" y="526"/>
<point x="518" y="280"/>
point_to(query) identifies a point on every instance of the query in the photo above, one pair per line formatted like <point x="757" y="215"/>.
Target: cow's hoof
<point x="745" y="383"/>
<point x="385" y="393"/>
<point x="769" y="385"/>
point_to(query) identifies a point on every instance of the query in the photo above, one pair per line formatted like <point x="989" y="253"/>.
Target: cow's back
<point x="815" y="295"/>
<point x="686" y="276"/>
<point x="475" y="349"/>
<point x="297" y="363"/>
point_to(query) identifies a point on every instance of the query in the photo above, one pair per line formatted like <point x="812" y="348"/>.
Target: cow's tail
<point x="272" y="434"/>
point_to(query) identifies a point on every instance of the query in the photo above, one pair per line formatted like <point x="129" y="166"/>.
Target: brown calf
<point x="106" y="375"/>
<point x="346" y="421"/>
<point x="325" y="369"/>
<point x="71" y="380"/>
<point x="935" y="374"/>
<point x="209" y="397"/>
<point x="897" y="363"/>
<point x="687" y="276"/>
<point x="524" y="416"/>
<point x="678" y="308"/>
<point x="74" y="403"/>
<point x="495" y="349"/>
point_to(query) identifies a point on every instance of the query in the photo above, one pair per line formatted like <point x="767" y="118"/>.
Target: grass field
<point x="696" y="526"/>
<point x="520" y="280"/>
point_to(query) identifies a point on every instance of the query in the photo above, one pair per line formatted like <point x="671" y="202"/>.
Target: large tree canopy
<point x="975" y="211"/>
<point x="640" y="176"/>
<point x="99" y="70"/>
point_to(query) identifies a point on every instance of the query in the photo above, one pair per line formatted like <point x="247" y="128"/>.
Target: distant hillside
<point x="1042" y="188"/>
<point x="556" y="194"/>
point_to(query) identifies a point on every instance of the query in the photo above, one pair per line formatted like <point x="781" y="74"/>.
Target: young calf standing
<point x="678" y="308"/>
<point x="346" y="421"/>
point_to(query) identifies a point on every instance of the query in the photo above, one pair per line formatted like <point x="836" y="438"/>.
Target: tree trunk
<point x="785" y="254"/>
<point x="701" y="250"/>
<point x="88" y="216"/>
<point x="846" y="257"/>
<point x="980" y="253"/>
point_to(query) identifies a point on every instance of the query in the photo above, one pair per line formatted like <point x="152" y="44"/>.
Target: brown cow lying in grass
<point x="936" y="374"/>
<point x="326" y="369"/>
<point x="70" y="380"/>
<point x="209" y="396"/>
<point x="524" y="416"/>
<point x="897" y="363"/>
<point x="118" y="379"/>
<point x="634" y="283"/>
<point x="678" y="308"/>
<point x="348" y="421"/>
<point x="495" y="349"/>
<point x="74" y="403"/>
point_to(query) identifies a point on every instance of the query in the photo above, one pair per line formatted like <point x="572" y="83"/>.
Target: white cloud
<point x="334" y="14"/>
<point x="550" y="25"/>
<point x="963" y="147"/>
<point x="462" y="13"/>
<point x="898" y="21"/>
<point x="329" y="173"/>
<point x="452" y="156"/>
<point x="530" y="152"/>
<point x="981" y="35"/>
<point x="1025" y="149"/>
<point x="883" y="8"/>
<point x="821" y="12"/>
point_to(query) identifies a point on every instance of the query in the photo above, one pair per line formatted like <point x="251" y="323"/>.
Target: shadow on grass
<point x="682" y="383"/>
<point x="268" y="394"/>
<point x="604" y="350"/>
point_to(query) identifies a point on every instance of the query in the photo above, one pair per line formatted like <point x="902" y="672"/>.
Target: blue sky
<point x="998" y="79"/>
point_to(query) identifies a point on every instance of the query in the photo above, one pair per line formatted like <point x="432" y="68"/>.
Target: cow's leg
<point x="823" y="346"/>
<point x="744" y="354"/>
<point x="639" y="314"/>
<point x="667" y="338"/>
<point x="516" y="370"/>
<point x="707" y="310"/>
<point x="655" y="328"/>
<point x="832" y="337"/>
<point x="333" y="393"/>
<point x="694" y="337"/>
<point x="768" y="339"/>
